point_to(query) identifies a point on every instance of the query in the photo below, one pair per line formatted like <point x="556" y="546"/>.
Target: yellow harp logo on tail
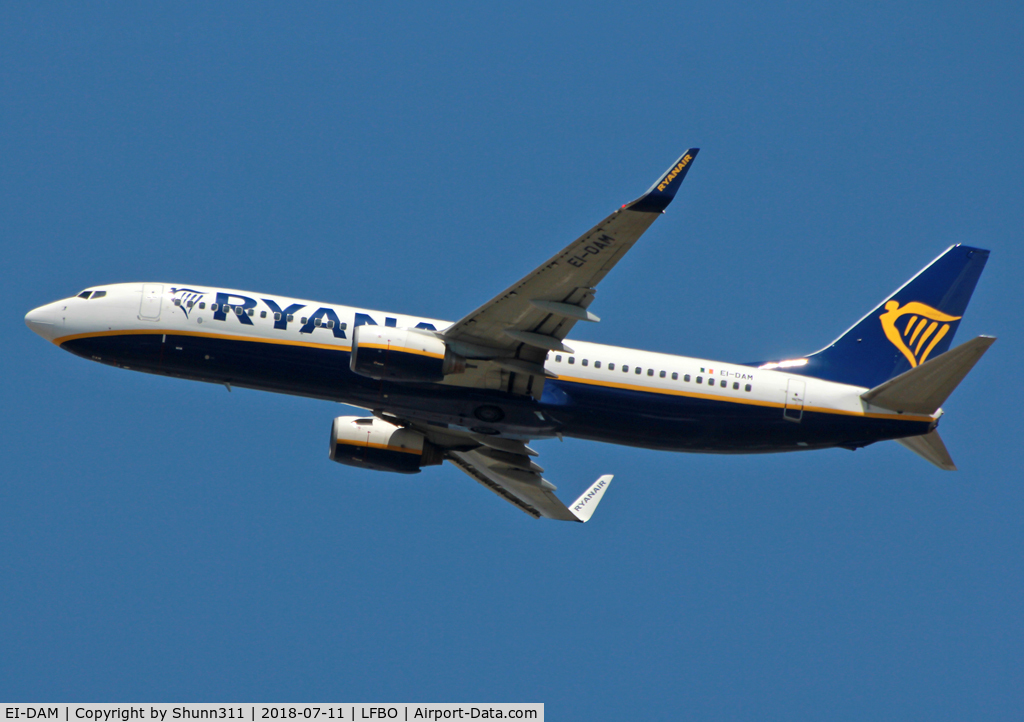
<point x="915" y="328"/>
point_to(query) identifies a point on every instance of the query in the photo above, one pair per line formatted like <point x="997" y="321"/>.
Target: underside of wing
<point x="513" y="485"/>
<point x="515" y="330"/>
<point x="525" y="488"/>
<point x="504" y="465"/>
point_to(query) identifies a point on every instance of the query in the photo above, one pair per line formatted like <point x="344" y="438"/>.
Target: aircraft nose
<point x="43" y="320"/>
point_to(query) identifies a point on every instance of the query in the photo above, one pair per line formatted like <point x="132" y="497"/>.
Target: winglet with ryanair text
<point x="584" y="507"/>
<point x="659" y="195"/>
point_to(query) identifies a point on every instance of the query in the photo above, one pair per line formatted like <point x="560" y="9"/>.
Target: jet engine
<point x="370" y="443"/>
<point x="402" y="354"/>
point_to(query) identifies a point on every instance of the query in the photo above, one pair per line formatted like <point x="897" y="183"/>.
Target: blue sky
<point x="168" y="541"/>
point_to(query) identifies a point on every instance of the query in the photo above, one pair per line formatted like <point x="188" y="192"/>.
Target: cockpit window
<point x="84" y="294"/>
<point x="99" y="294"/>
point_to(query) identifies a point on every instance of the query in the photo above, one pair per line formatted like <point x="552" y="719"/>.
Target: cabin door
<point x="152" y="294"/>
<point x="794" y="410"/>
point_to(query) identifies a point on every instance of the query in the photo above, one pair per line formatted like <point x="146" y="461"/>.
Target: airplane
<point x="477" y="391"/>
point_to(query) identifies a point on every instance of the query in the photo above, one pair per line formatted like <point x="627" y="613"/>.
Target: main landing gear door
<point x="794" y="410"/>
<point x="152" y="294"/>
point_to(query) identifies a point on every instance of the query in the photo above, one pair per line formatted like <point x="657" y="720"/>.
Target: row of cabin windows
<point x="661" y="374"/>
<point x="238" y="310"/>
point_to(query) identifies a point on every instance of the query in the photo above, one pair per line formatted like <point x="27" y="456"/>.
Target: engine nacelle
<point x="370" y="443"/>
<point x="402" y="354"/>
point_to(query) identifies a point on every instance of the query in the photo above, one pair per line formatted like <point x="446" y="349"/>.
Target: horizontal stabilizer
<point x="930" y="448"/>
<point x="923" y="389"/>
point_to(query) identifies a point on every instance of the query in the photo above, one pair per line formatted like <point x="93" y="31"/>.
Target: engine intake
<point x="402" y="354"/>
<point x="370" y="443"/>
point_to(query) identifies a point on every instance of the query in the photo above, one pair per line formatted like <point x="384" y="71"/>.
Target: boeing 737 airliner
<point x="476" y="391"/>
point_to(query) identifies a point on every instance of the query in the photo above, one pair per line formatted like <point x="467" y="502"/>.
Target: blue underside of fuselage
<point x="633" y="418"/>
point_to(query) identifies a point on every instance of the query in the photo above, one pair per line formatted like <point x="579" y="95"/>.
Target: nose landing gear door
<point x="794" y="410"/>
<point x="149" y="308"/>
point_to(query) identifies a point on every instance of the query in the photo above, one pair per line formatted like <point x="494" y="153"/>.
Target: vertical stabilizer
<point x="917" y="322"/>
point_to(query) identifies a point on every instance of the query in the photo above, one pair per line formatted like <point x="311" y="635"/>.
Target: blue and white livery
<point x="475" y="392"/>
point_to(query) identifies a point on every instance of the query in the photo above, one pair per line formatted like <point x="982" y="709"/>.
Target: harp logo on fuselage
<point x="917" y="337"/>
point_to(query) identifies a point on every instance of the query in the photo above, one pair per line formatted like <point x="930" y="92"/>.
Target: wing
<point x="519" y="482"/>
<point x="505" y="467"/>
<point x="516" y="329"/>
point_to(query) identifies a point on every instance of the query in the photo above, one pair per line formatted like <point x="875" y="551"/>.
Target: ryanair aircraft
<point x="476" y="391"/>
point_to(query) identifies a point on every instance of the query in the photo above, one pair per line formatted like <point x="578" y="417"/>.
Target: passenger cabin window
<point x="572" y="359"/>
<point x="597" y="364"/>
<point x="639" y="370"/>
<point x="586" y="362"/>
<point x="747" y="387"/>
<point x="625" y="368"/>
<point x="700" y="379"/>
<point x="176" y="302"/>
<point x="277" y="315"/>
<point x="723" y="383"/>
<point x="202" y="306"/>
<point x="213" y="307"/>
<point x="675" y="375"/>
<point x="190" y="304"/>
<point x="558" y="358"/>
<point x="611" y="366"/>
<point x="317" y="322"/>
<point x="263" y="314"/>
<point x="292" y="318"/>
<point x="343" y="326"/>
<point x="662" y="374"/>
<point x="650" y="372"/>
<point x="330" y="324"/>
<point x="303" y="320"/>
<point x="686" y="378"/>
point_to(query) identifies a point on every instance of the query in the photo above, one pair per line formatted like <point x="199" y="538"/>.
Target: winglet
<point x="659" y="195"/>
<point x="583" y="508"/>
